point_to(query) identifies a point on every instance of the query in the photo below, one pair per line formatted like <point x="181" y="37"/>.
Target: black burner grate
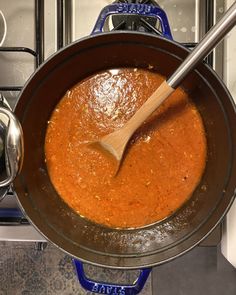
<point x="38" y="53"/>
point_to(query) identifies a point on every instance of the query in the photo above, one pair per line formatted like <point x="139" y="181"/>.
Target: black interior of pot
<point x="92" y="242"/>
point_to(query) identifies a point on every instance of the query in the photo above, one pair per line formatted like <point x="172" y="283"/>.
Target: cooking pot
<point x="86" y="240"/>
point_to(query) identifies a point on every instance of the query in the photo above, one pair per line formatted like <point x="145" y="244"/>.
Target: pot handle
<point x="14" y="147"/>
<point x="106" y="288"/>
<point x="136" y="9"/>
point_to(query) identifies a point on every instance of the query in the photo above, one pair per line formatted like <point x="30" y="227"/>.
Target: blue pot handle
<point x="111" y="289"/>
<point x="11" y="212"/>
<point x="137" y="9"/>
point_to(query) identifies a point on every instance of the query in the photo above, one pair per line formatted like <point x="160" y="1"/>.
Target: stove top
<point x="29" y="41"/>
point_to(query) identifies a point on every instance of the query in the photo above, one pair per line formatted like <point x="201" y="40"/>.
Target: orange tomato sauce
<point x="163" y="163"/>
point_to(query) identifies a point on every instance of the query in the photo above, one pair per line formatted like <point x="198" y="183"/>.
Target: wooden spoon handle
<point x="153" y="102"/>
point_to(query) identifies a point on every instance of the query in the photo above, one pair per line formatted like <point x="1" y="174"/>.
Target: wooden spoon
<point x="115" y="143"/>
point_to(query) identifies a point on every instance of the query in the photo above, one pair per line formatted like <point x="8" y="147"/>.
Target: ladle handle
<point x="210" y="40"/>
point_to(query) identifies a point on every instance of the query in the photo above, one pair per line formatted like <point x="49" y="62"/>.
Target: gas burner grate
<point x="38" y="53"/>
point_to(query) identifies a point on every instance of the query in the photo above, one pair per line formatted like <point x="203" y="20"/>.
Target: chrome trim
<point x="14" y="147"/>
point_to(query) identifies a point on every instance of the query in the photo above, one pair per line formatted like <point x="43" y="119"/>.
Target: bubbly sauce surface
<point x="163" y="164"/>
